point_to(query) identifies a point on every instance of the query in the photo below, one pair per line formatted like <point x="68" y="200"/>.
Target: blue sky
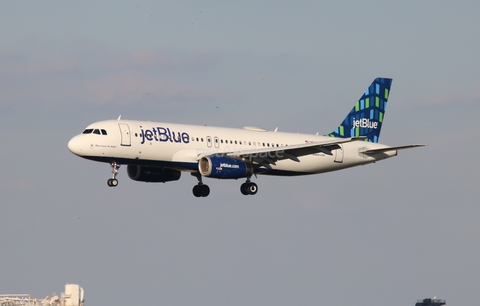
<point x="398" y="230"/>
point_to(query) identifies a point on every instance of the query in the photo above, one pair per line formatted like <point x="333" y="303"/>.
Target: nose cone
<point x="74" y="145"/>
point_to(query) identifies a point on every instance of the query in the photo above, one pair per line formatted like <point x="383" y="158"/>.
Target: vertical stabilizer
<point x="366" y="117"/>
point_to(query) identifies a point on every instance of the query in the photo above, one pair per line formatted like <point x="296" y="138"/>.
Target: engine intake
<point x="152" y="174"/>
<point x="224" y="167"/>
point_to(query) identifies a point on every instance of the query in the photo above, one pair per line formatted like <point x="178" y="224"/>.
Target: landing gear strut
<point x="200" y="190"/>
<point x="249" y="188"/>
<point x="113" y="182"/>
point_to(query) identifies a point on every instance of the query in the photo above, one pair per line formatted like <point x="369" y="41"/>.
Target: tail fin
<point x="366" y="117"/>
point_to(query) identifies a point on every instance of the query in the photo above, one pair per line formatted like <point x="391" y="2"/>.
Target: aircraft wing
<point x="269" y="156"/>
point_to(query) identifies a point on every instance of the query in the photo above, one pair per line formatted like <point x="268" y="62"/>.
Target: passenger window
<point x="88" y="131"/>
<point x="105" y="132"/>
<point x="235" y="142"/>
<point x="96" y="131"/>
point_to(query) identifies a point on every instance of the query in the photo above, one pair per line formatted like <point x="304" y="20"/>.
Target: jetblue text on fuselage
<point x="163" y="134"/>
<point x="365" y="123"/>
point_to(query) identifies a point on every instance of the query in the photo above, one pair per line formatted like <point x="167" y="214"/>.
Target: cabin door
<point x="125" y="134"/>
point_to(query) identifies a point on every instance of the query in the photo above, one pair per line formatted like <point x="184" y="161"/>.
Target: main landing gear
<point x="113" y="182"/>
<point x="200" y="190"/>
<point x="249" y="188"/>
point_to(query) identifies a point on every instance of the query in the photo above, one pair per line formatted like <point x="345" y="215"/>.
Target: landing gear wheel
<point x="204" y="190"/>
<point x="196" y="191"/>
<point x="201" y="191"/>
<point x="112" y="182"/>
<point x="249" y="188"/>
<point x="243" y="189"/>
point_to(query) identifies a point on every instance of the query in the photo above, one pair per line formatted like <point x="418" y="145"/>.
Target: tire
<point x="243" y="189"/>
<point x="204" y="190"/>
<point x="196" y="191"/>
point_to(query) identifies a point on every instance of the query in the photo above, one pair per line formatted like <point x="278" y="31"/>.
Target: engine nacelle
<point x="152" y="174"/>
<point x="224" y="167"/>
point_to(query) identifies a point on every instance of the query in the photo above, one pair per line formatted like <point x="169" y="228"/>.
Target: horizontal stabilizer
<point x="374" y="151"/>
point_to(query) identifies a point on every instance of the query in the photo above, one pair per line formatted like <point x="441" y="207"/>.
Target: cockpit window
<point x="95" y="131"/>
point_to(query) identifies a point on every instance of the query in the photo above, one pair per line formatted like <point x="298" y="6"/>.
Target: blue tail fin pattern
<point x="366" y="117"/>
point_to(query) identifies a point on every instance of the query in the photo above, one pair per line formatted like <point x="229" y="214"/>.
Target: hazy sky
<point x="388" y="233"/>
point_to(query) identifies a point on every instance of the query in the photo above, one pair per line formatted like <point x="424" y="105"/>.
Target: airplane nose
<point x="74" y="146"/>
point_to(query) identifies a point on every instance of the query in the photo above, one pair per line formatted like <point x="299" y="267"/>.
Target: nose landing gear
<point x="113" y="182"/>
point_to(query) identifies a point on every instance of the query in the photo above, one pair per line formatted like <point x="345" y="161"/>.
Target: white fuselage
<point x="179" y="146"/>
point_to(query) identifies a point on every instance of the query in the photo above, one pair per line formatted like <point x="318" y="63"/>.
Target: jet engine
<point x="152" y="174"/>
<point x="224" y="167"/>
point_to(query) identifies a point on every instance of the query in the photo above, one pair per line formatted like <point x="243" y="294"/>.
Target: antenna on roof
<point x="276" y="129"/>
<point x="119" y="117"/>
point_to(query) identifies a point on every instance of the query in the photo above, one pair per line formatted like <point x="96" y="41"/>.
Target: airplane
<point x="159" y="151"/>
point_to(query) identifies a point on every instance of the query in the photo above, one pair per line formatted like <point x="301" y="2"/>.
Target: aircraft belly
<point x="319" y="163"/>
